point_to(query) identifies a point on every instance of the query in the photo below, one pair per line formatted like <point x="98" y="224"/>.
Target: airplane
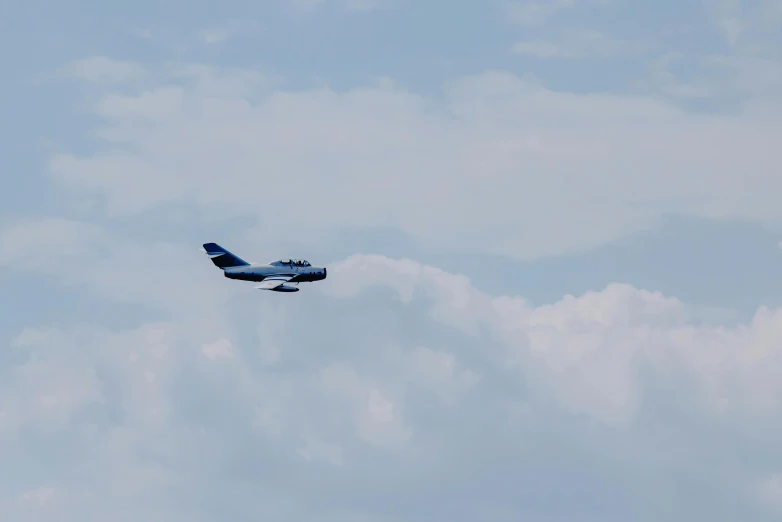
<point x="273" y="276"/>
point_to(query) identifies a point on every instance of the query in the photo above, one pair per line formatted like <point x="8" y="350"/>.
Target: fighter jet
<point x="274" y="276"/>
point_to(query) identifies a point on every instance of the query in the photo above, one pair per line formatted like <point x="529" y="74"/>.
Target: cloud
<point x="748" y="27"/>
<point x="307" y="6"/>
<point x="559" y="172"/>
<point x="534" y="13"/>
<point x="218" y="349"/>
<point x="729" y="19"/>
<point x="770" y="491"/>
<point x="576" y="343"/>
<point x="772" y="9"/>
<point x="575" y="44"/>
<point x="228" y="30"/>
<point x="55" y="248"/>
<point x="716" y="78"/>
<point x="394" y="385"/>
<point x="394" y="390"/>
<point x="377" y="418"/>
<point x="103" y="69"/>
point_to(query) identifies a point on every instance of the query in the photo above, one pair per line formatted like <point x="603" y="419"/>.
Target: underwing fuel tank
<point x="285" y="288"/>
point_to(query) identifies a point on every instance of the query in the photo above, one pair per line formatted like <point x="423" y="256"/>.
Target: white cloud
<point x="36" y="504"/>
<point x="103" y="69"/>
<point x="424" y="392"/>
<point x="32" y="243"/>
<point x="749" y="27"/>
<point x="576" y="44"/>
<point x="40" y="496"/>
<point x="392" y="388"/>
<point x="534" y="13"/>
<point x="770" y="491"/>
<point x="587" y="350"/>
<point x="717" y="78"/>
<point x="144" y="33"/>
<point x="228" y="30"/>
<point x="772" y="10"/>
<point x="218" y="349"/>
<point x="307" y="6"/>
<point x="557" y="171"/>
<point x="55" y="248"/>
<point x="751" y="75"/>
<point x="47" y="392"/>
<point x="436" y="370"/>
<point x="315" y="449"/>
<point x="730" y="20"/>
<point x="378" y="419"/>
<point x="540" y="49"/>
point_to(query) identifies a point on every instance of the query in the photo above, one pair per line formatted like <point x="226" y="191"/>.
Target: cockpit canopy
<point x="291" y="262"/>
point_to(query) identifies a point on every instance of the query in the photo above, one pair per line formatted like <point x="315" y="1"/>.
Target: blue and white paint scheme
<point x="277" y="276"/>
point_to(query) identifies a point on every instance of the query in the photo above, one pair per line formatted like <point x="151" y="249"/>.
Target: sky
<point x="553" y="239"/>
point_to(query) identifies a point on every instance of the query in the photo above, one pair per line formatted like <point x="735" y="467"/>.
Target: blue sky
<point x="552" y="231"/>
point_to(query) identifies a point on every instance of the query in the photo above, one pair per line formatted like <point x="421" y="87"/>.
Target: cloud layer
<point x="137" y="383"/>
<point x="391" y="391"/>
<point x="558" y="172"/>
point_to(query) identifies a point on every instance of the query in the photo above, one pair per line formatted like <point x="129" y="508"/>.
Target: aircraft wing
<point x="272" y="282"/>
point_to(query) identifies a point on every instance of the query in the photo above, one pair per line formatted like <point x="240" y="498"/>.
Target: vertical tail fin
<point x="221" y="257"/>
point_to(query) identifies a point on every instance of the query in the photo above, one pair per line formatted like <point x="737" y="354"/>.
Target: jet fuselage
<point x="258" y="273"/>
<point x="276" y="276"/>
